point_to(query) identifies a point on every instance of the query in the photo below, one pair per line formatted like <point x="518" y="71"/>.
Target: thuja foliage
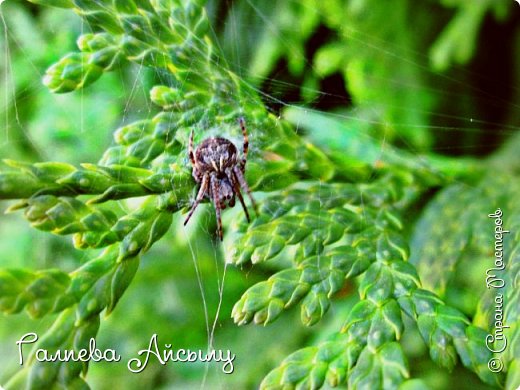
<point x="327" y="220"/>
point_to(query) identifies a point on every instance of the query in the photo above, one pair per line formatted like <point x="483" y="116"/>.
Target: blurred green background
<point x="427" y="76"/>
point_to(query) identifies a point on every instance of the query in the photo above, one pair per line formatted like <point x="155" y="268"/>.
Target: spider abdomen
<point x="216" y="154"/>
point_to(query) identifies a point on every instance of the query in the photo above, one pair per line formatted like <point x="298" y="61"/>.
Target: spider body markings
<point x="219" y="170"/>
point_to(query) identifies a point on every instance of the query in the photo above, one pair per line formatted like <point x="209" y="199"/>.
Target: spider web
<point x="125" y="106"/>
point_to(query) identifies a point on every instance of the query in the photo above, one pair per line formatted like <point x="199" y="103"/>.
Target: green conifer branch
<point x="52" y="290"/>
<point x="23" y="180"/>
<point x="80" y="297"/>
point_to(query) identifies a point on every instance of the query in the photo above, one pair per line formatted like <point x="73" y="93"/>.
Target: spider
<point x="220" y="172"/>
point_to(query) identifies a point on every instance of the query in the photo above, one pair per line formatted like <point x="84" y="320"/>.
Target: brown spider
<point x="221" y="173"/>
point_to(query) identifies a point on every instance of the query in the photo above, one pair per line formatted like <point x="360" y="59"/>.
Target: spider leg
<point x="200" y="195"/>
<point x="245" y="147"/>
<point x="190" y="149"/>
<point x="216" y="202"/>
<point x="240" y="177"/>
<point x="236" y="189"/>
